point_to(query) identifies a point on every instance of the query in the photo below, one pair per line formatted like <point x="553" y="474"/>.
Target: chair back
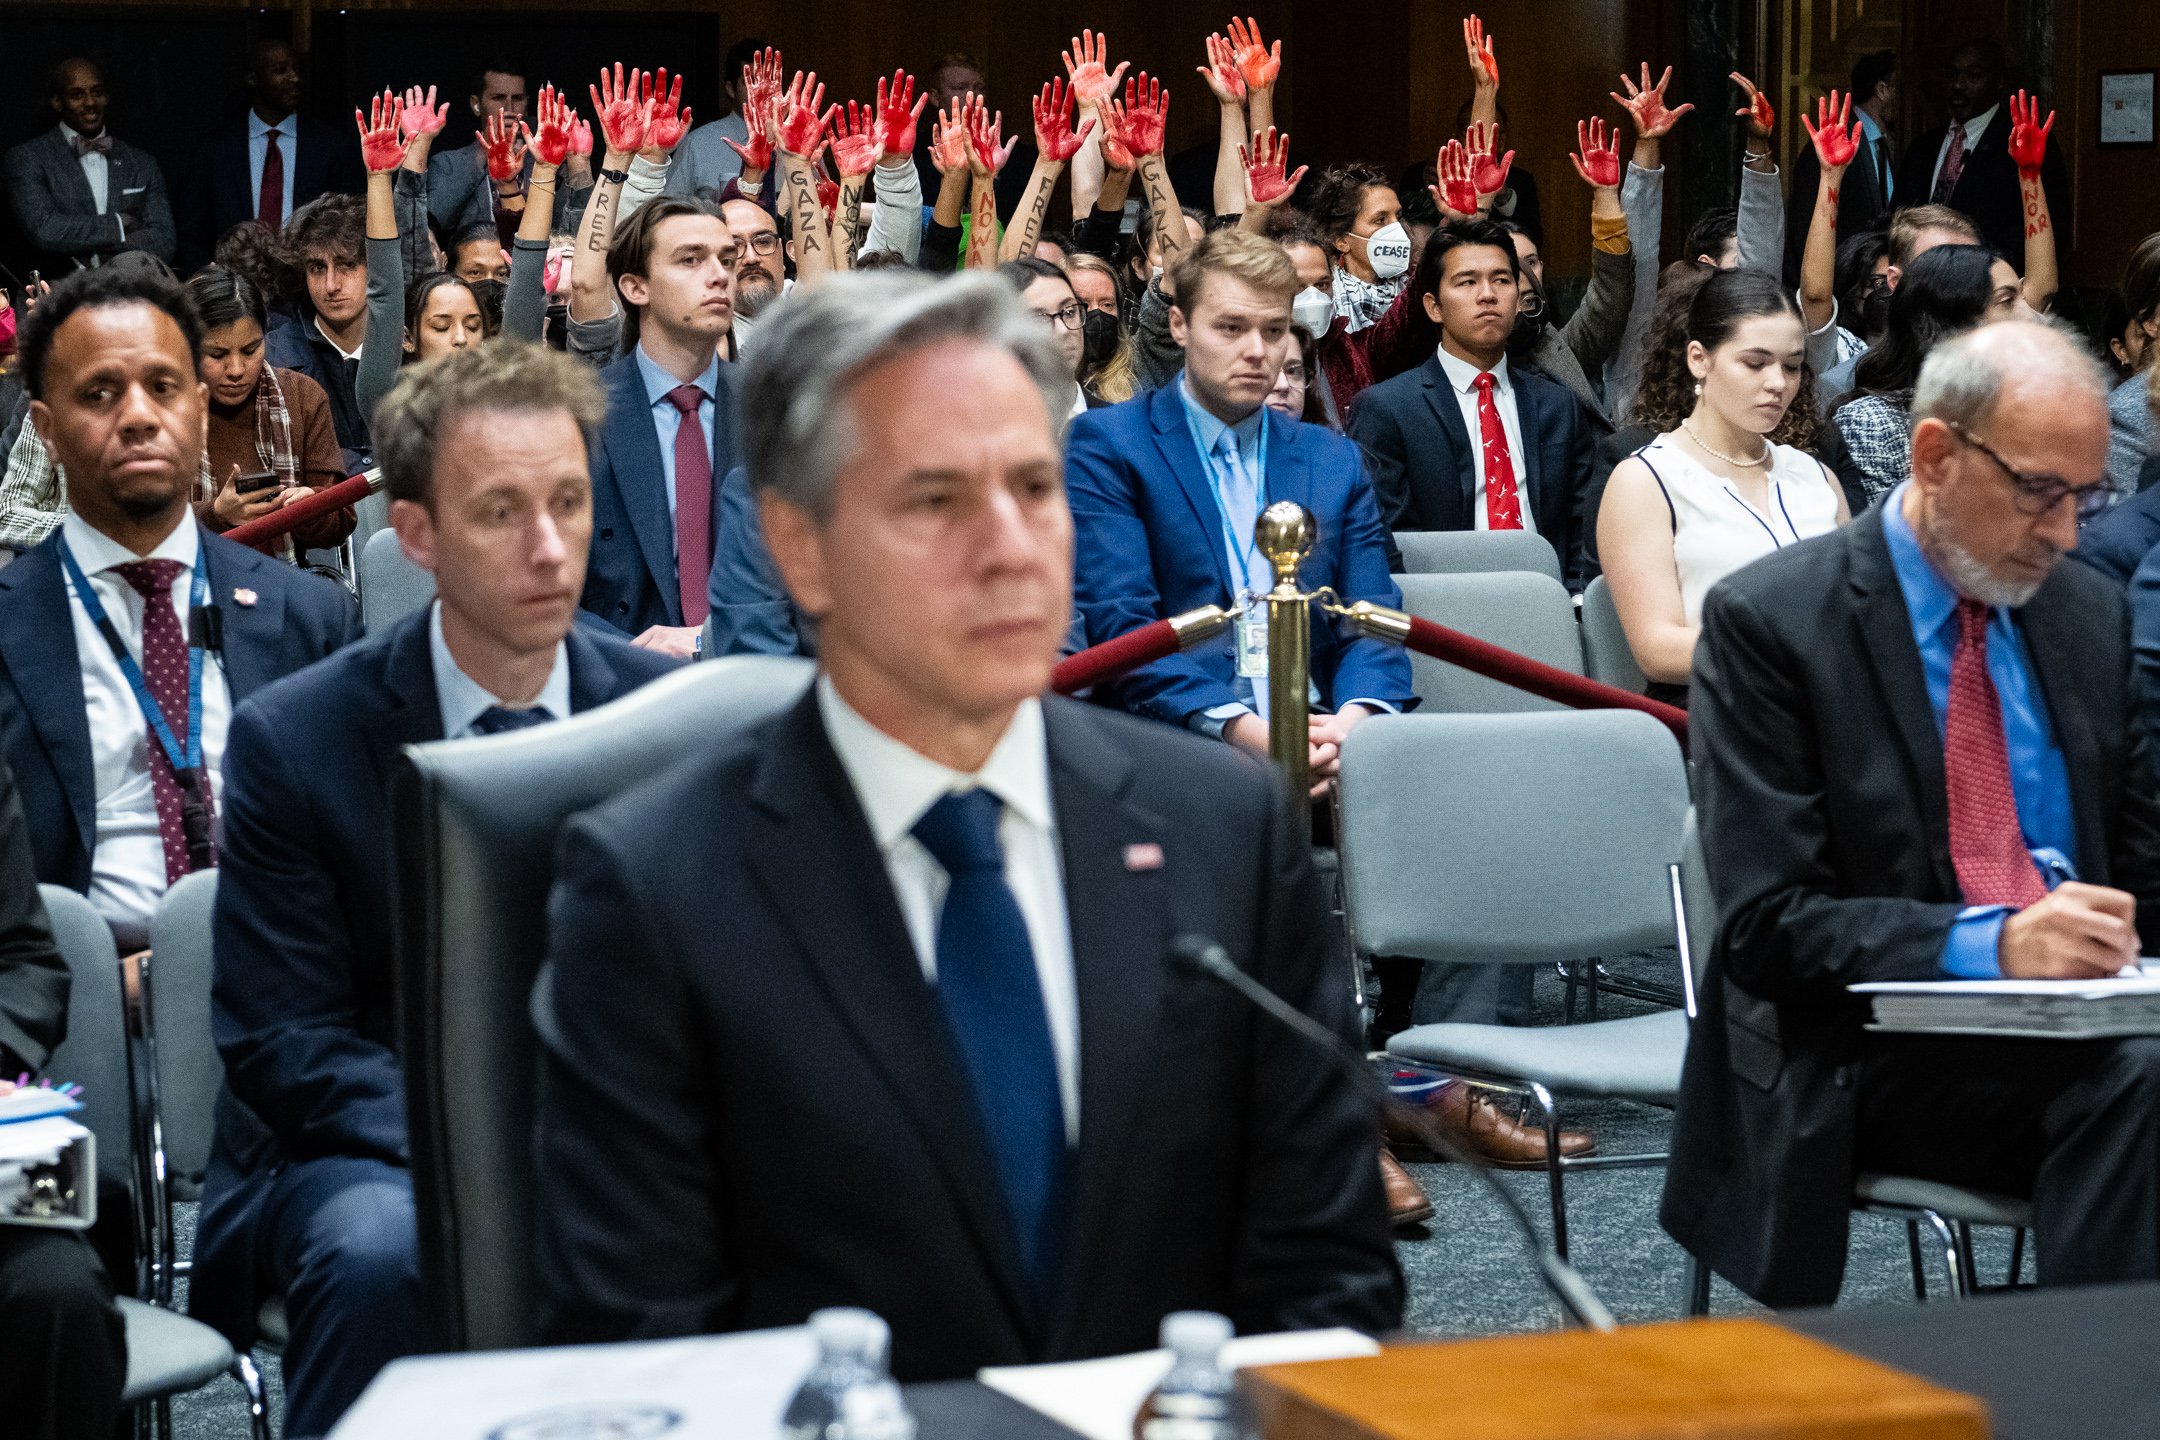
<point x="391" y="586"/>
<point x="371" y="513"/>
<point x="476" y="823"/>
<point x="1698" y="907"/>
<point x="1517" y="610"/>
<point x="1476" y="552"/>
<point x="185" y="1071"/>
<point x="95" y="1053"/>
<point x="1512" y="838"/>
<point x="1607" y="656"/>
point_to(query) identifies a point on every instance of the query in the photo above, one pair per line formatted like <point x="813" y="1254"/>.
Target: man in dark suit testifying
<point x="309" y="1191"/>
<point x="1917" y="758"/>
<point x="1468" y="440"/>
<point x="873" y="1005"/>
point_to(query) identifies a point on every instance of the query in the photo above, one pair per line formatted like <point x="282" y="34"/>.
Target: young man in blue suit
<point x="1165" y="489"/>
<point x="309" y="1194"/>
<point x="655" y="472"/>
<point x="97" y="623"/>
<point x="1469" y="441"/>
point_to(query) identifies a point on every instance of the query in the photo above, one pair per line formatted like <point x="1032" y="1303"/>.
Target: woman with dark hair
<point x="1360" y="222"/>
<point x="2131" y="423"/>
<point x="1715" y="491"/>
<point x="1297" y="387"/>
<point x="1045" y="290"/>
<point x="1862" y="283"/>
<point x="1946" y="291"/>
<point x="268" y="432"/>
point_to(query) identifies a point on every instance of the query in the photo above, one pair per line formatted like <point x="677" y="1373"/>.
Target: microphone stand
<point x="1565" y="1283"/>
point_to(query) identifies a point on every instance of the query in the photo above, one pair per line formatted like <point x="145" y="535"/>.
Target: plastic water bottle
<point x="849" y="1394"/>
<point x="1197" y="1400"/>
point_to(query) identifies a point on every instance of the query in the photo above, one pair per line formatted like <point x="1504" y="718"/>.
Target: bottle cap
<point x="845" y="1330"/>
<point x="1195" y="1332"/>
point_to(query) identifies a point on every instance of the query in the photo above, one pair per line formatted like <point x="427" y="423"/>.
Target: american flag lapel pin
<point x="244" y="597"/>
<point x="1147" y="855"/>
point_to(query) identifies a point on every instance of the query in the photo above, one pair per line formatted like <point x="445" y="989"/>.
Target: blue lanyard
<point x="187" y="763"/>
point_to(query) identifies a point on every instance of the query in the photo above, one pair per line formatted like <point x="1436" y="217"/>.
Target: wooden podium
<point x="1741" y="1379"/>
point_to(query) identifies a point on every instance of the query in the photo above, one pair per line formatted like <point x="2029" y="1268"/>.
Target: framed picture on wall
<point x="2126" y="107"/>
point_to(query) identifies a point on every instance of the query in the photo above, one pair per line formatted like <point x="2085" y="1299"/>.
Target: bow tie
<point x="100" y="142"/>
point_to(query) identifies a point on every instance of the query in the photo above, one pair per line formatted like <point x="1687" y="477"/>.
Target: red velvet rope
<point x="1112" y="658"/>
<point x="1537" y="678"/>
<point x="282" y="521"/>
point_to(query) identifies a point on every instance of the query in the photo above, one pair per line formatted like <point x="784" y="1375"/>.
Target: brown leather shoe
<point x="1406" y="1203"/>
<point x="1468" y="1115"/>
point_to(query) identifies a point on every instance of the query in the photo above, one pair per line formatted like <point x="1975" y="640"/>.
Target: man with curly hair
<point x="324" y="246"/>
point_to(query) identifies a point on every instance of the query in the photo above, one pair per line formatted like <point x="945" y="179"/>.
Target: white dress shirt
<point x="896" y="786"/>
<point x="259" y="146"/>
<point x="127" y="857"/>
<point x="95" y="168"/>
<point x="463" y="699"/>
<point x="1462" y="378"/>
<point x="1974" y="129"/>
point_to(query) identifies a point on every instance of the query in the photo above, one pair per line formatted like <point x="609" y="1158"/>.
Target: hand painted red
<point x="505" y="150"/>
<point x="1456" y="194"/>
<point x="1836" y="135"/>
<point x="1489" y="174"/>
<point x="898" y="111"/>
<point x="1255" y="62"/>
<point x="2028" y="136"/>
<point x="1265" y="182"/>
<point x="670" y="118"/>
<point x="1221" y="72"/>
<point x="1138" y="122"/>
<point x="419" y="115"/>
<point x="551" y="142"/>
<point x="1484" y="64"/>
<point x="856" y="147"/>
<point x="986" y="157"/>
<point x="380" y="146"/>
<point x="801" y="118"/>
<point x="1645" y="104"/>
<point x="949" y="139"/>
<point x="1055" y="136"/>
<point x="1597" y="153"/>
<point x="580" y="136"/>
<point x="1760" y="115"/>
<point x="1085" y="66"/>
<point x="623" y="116"/>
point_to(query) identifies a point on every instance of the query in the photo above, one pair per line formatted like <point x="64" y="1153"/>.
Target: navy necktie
<point x="993" y="1003"/>
<point x="500" y="719"/>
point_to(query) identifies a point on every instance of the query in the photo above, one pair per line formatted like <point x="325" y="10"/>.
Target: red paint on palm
<point x="1086" y="65"/>
<point x="1265" y="181"/>
<point x="623" y="116"/>
<point x="949" y="139"/>
<point x="1221" y="72"/>
<point x="1055" y="136"/>
<point x="380" y="146"/>
<point x="1257" y="65"/>
<point x="670" y="119"/>
<point x="1835" y="134"/>
<point x="898" y="111"/>
<point x="1484" y="64"/>
<point x="1138" y="121"/>
<point x="1487" y="172"/>
<point x="802" y="121"/>
<point x="551" y="142"/>
<point x="1645" y="104"/>
<point x="856" y="147"/>
<point x="419" y="115"/>
<point x="505" y="151"/>
<point x="1456" y="194"/>
<point x="2028" y="136"/>
<point x="1597" y="153"/>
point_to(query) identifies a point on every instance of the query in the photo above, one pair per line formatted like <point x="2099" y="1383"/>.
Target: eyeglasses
<point x="2038" y="493"/>
<point x="1068" y="316"/>
<point x="764" y="244"/>
<point x="1293" y="372"/>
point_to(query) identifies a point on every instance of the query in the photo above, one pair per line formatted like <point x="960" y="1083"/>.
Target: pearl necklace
<point x="1760" y="460"/>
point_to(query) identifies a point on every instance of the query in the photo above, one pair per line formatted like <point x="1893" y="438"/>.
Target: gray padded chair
<point x="1476" y="552"/>
<point x="1606" y="656"/>
<point x="1524" y="840"/>
<point x="1948" y="1211"/>
<point x="168" y="1354"/>
<point x="476" y="827"/>
<point x="1517" y="610"/>
<point x="391" y="586"/>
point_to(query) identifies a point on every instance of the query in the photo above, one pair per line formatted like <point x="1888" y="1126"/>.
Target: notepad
<point x="2126" y="1004"/>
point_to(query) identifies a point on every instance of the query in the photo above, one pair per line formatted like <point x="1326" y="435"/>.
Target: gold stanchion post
<point x="1284" y="533"/>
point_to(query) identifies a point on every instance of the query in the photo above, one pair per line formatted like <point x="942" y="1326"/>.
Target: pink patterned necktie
<point x="1987" y="844"/>
<point x="1503" y="505"/>
<point x="165" y="670"/>
<point x="1953" y="166"/>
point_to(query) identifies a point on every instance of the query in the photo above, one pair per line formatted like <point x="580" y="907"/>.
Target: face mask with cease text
<point x="1387" y="250"/>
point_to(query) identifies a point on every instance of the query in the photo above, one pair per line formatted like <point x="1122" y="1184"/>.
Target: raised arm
<point x="801" y="131"/>
<point x="986" y="157"/>
<point x="1266" y="187"/>
<point x="1593" y="332"/>
<point x="1484" y="73"/>
<point x="1487" y="172"/>
<point x="1836" y="138"/>
<point x="1259" y="66"/>
<point x="896" y="222"/>
<point x="1091" y="83"/>
<point x="2028" y="147"/>
<point x="649" y="168"/>
<point x="761" y="94"/>
<point x="525" y="301"/>
<point x="857" y="146"/>
<point x="1056" y="142"/>
<point x="421" y="120"/>
<point x="383" y="151"/>
<point x="623" y="121"/>
<point x="1137" y="123"/>
<point x="1228" y="87"/>
<point x="1761" y="225"/>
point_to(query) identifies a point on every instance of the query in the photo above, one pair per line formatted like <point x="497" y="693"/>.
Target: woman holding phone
<point x="271" y="439"/>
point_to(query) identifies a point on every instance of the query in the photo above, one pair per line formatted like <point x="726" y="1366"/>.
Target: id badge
<point x="1252" y="641"/>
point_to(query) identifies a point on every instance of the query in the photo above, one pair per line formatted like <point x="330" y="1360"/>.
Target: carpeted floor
<point x="1467" y="1271"/>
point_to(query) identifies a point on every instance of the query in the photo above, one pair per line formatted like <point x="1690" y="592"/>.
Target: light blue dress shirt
<point x="666" y="418"/>
<point x="2038" y="775"/>
<point x="1871" y="136"/>
<point x="259" y="147"/>
<point x="462" y="699"/>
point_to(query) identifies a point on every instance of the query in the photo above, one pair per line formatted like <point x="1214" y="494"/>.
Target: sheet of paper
<point x="1099" y="1398"/>
<point x="2144" y="980"/>
<point x="716" y="1387"/>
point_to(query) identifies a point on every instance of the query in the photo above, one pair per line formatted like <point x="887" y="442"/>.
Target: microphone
<point x="1567" y="1285"/>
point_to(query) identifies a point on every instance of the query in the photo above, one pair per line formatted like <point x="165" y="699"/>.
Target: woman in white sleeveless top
<point x="1702" y="500"/>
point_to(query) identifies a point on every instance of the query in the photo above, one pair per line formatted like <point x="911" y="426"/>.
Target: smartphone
<point x="259" y="480"/>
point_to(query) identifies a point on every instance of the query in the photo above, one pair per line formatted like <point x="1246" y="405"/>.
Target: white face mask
<point x="1387" y="250"/>
<point x="1312" y="311"/>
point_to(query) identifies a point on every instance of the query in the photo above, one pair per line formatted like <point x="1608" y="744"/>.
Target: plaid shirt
<point x="33" y="496"/>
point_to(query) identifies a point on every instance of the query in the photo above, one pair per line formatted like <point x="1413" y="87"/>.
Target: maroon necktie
<point x="1953" y="166"/>
<point x="1503" y="503"/>
<point x="270" y="204"/>
<point x="693" y="505"/>
<point x="1987" y="844"/>
<point x="165" y="669"/>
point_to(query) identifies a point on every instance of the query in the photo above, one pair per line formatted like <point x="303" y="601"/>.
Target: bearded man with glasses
<point x="1917" y="758"/>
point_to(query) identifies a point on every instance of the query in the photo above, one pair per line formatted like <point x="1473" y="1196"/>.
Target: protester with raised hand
<point x="1227" y="85"/>
<point x="1057" y="140"/>
<point x="1095" y="166"/>
<point x="633" y="170"/>
<point x="1760" y="224"/>
<point x="896" y="218"/>
<point x="1263" y="188"/>
<point x="1835" y="136"/>
<point x="949" y="151"/>
<point x="1642" y="201"/>
<point x="1137" y="124"/>
<point x="2028" y="148"/>
<point x="857" y="147"/>
<point x="799" y="122"/>
<point x="986" y="160"/>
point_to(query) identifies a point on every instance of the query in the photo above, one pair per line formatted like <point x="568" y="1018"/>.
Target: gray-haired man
<point x="872" y="1006"/>
<point x="1917" y="759"/>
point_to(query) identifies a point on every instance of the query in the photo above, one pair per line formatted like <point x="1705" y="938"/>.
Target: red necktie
<point x="270" y="204"/>
<point x="1987" y="844"/>
<point x="1953" y="166"/>
<point x="1503" y="507"/>
<point x="165" y="669"/>
<point x="693" y="504"/>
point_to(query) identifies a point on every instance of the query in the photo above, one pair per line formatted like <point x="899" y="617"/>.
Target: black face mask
<point x="1103" y="338"/>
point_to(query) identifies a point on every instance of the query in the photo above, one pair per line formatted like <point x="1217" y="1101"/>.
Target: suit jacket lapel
<point x="592" y="678"/>
<point x="1174" y="437"/>
<point x="1530" y="411"/>
<point x="39" y="647"/>
<point x="64" y="158"/>
<point x="254" y="633"/>
<point x="1887" y="639"/>
<point x="634" y="450"/>
<point x="416" y="710"/>
<point x="853" y="941"/>
<point x="1120" y="925"/>
<point x="1289" y="473"/>
<point x="1440" y="395"/>
<point x="2053" y="641"/>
